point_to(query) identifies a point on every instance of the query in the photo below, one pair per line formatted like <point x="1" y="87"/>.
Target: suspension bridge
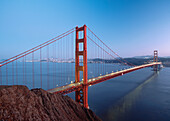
<point x="63" y="64"/>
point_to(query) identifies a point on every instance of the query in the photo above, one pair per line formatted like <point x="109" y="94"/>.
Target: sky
<point x="129" y="27"/>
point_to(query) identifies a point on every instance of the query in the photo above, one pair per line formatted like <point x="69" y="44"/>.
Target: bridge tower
<point x="81" y="95"/>
<point x="155" y="59"/>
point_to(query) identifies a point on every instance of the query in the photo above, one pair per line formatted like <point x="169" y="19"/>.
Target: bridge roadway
<point x="74" y="86"/>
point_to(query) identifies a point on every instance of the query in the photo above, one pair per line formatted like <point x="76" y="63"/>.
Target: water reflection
<point x="116" y="112"/>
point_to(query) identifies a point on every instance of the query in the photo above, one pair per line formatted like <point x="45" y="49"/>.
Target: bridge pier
<point x="81" y="95"/>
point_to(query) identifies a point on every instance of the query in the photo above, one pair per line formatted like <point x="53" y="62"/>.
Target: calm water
<point x="138" y="96"/>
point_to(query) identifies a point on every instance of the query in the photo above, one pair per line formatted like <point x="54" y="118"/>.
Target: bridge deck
<point x="72" y="87"/>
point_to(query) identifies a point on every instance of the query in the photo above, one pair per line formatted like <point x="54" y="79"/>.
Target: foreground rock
<point x="20" y="103"/>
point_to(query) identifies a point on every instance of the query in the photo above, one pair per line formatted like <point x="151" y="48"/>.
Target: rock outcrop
<point x="20" y="103"/>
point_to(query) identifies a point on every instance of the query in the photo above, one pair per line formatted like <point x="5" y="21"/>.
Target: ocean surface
<point x="143" y="95"/>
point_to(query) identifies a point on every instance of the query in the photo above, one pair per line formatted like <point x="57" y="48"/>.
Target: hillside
<point x="20" y="103"/>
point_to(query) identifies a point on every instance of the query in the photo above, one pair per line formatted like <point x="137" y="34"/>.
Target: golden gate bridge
<point x="61" y="64"/>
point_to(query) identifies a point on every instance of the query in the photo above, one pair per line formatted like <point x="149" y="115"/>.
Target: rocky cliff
<point x="20" y="103"/>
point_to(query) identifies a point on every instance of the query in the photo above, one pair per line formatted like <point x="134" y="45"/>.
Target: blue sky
<point x="129" y="27"/>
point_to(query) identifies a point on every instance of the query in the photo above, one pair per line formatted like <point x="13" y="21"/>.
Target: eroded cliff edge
<point x="20" y="103"/>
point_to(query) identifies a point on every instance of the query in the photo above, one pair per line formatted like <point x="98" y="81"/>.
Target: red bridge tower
<point x="155" y="59"/>
<point x="81" y="95"/>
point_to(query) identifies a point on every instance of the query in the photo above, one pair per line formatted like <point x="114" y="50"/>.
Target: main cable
<point x="106" y="51"/>
<point x="110" y="48"/>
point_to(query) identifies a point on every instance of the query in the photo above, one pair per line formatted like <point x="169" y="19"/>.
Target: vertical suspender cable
<point x="98" y="58"/>
<point x="40" y="68"/>
<point x="23" y="70"/>
<point x="103" y="61"/>
<point x="65" y="60"/>
<point x="6" y="74"/>
<point x="47" y="67"/>
<point x="59" y="65"/>
<point x="0" y="76"/>
<point x="64" y="57"/>
<point x="53" y="63"/>
<point x="13" y="73"/>
<point x="61" y="59"/>
<point x="33" y="69"/>
<point x="16" y="73"/>
<point x="72" y="56"/>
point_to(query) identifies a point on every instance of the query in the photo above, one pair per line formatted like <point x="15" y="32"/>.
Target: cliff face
<point x="20" y="103"/>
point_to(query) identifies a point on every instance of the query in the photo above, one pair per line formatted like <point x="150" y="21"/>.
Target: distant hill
<point x="143" y="57"/>
<point x="135" y="60"/>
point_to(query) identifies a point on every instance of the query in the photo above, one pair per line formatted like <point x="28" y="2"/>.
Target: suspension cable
<point x="35" y="49"/>
<point x="109" y="47"/>
<point x="38" y="46"/>
<point x="106" y="51"/>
